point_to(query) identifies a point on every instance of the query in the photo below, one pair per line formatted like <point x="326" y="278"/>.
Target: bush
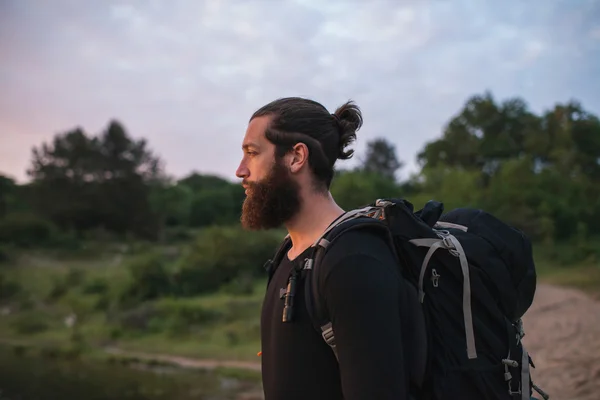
<point x="26" y="230"/>
<point x="219" y="255"/>
<point x="58" y="290"/>
<point x="5" y="255"/>
<point x="95" y="286"/>
<point x="150" y="278"/>
<point x="137" y="319"/>
<point x="8" y="289"/>
<point x="169" y="316"/>
<point x="29" y="323"/>
<point x="177" y="318"/>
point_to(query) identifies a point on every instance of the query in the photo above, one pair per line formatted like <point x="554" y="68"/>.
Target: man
<point x="289" y="151"/>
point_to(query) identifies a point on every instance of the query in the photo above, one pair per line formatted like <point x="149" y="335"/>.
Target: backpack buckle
<point x="327" y="333"/>
<point x="435" y="278"/>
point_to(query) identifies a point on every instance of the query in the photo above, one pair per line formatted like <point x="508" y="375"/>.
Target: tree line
<point x="539" y="172"/>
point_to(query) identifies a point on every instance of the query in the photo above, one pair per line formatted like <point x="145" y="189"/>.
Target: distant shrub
<point x="179" y="318"/>
<point x="95" y="286"/>
<point x="243" y="284"/>
<point x="58" y="289"/>
<point x="25" y="230"/>
<point x="173" y="317"/>
<point x="150" y="278"/>
<point x="177" y="234"/>
<point x="8" y="289"/>
<point x="219" y="255"/>
<point x="136" y="319"/>
<point x="240" y="309"/>
<point x="74" y="277"/>
<point x="5" y="255"/>
<point x="29" y="323"/>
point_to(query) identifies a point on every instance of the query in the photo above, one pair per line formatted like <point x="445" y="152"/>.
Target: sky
<point x="187" y="74"/>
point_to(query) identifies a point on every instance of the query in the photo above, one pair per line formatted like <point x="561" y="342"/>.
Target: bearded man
<point x="289" y="151"/>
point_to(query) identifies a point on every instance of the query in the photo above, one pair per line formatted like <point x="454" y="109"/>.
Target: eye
<point x="251" y="153"/>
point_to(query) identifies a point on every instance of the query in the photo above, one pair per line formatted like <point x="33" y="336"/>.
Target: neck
<point x="316" y="213"/>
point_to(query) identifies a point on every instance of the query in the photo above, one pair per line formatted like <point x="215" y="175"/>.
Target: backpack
<point x="473" y="278"/>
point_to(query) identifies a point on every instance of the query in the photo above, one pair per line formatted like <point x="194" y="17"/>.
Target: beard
<point x="271" y="201"/>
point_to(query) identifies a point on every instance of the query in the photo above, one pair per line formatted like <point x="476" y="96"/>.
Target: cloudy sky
<point x="187" y="74"/>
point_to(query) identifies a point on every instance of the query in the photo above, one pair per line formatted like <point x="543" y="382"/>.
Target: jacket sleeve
<point x="362" y="294"/>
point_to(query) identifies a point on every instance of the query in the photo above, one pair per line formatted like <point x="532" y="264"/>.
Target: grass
<point x="218" y="325"/>
<point x="570" y="265"/>
<point x="585" y="276"/>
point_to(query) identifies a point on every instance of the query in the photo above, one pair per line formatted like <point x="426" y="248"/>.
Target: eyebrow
<point x="250" y="145"/>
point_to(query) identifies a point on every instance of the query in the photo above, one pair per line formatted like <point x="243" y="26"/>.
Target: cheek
<point x="259" y="168"/>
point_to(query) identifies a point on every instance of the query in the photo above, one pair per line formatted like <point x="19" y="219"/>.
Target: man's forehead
<point x="255" y="134"/>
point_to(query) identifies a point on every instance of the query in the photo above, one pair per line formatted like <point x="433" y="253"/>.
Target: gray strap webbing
<point x="327" y="329"/>
<point x="435" y="244"/>
<point x="424" y="242"/>
<point x="464" y="264"/>
<point x="525" y="375"/>
<point x="324" y="243"/>
<point x="443" y="224"/>
<point x="348" y="216"/>
<point x="327" y="333"/>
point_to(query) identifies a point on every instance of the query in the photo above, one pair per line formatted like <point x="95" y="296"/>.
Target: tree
<point x="7" y="192"/>
<point x="381" y="159"/>
<point x="358" y="188"/>
<point x="198" y="182"/>
<point x="84" y="182"/>
<point x="538" y="172"/>
<point x="482" y="135"/>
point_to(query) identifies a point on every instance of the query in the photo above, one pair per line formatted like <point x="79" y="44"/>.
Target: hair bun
<point x="349" y="120"/>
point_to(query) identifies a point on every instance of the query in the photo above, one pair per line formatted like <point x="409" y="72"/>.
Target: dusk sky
<point x="187" y="74"/>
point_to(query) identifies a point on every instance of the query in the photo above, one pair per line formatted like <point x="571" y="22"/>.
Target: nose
<point x="242" y="171"/>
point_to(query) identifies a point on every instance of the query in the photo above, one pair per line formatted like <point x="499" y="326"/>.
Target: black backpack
<point x="473" y="278"/>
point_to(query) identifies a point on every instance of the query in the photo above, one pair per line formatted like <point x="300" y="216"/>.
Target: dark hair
<point x="297" y="120"/>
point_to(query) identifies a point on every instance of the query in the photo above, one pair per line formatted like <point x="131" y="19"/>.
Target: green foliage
<point x="540" y="173"/>
<point x="26" y="230"/>
<point x="5" y="254"/>
<point x="150" y="278"/>
<point x="180" y="318"/>
<point x="96" y="285"/>
<point x="219" y="255"/>
<point x="81" y="182"/>
<point x="9" y="289"/>
<point x="8" y="188"/>
<point x="30" y="323"/>
<point x="358" y="188"/>
<point x="220" y="206"/>
<point x="381" y="159"/>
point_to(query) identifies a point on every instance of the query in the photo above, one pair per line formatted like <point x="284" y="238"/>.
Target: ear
<point x="298" y="157"/>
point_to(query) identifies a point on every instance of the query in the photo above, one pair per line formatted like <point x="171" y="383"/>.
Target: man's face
<point x="272" y="194"/>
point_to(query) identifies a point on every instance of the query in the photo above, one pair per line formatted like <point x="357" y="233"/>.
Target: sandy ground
<point x="562" y="334"/>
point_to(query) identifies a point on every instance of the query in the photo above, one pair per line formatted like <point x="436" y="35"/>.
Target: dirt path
<point x="562" y="333"/>
<point x="185" y="362"/>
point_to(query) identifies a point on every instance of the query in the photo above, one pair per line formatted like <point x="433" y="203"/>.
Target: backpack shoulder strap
<point x="314" y="301"/>
<point x="272" y="264"/>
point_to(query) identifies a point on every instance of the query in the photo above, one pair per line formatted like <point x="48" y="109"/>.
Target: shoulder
<point x="357" y="249"/>
<point x="364" y="241"/>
